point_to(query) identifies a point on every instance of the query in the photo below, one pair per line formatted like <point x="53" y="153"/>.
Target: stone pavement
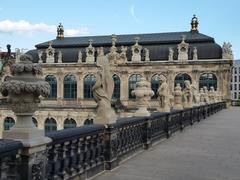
<point x="209" y="150"/>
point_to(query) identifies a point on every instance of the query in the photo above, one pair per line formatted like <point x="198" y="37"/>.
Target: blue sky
<point x="24" y="23"/>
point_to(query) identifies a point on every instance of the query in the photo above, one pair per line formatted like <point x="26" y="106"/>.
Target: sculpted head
<point x="162" y="78"/>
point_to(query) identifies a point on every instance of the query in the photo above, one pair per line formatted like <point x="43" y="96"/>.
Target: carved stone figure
<point x="40" y="53"/>
<point x="113" y="55"/>
<point x="187" y="95"/>
<point x="90" y="50"/>
<point x="147" y="57"/>
<point x="183" y="50"/>
<point x="178" y="97"/>
<point x="195" y="94"/>
<point x="202" y="97"/>
<point x="206" y="97"/>
<point x="136" y="51"/>
<point x="143" y="93"/>
<point x="170" y="54"/>
<point x="102" y="92"/>
<point x="123" y="55"/>
<point x="59" y="57"/>
<point x="18" y="54"/>
<point x="195" y="53"/>
<point x="79" y="56"/>
<point x="163" y="95"/>
<point x="212" y="95"/>
<point x="227" y="51"/>
<point x="50" y="52"/>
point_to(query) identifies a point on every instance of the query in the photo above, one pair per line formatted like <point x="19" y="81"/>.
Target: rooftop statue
<point x="195" y="53"/>
<point x="227" y="51"/>
<point x="170" y="54"/>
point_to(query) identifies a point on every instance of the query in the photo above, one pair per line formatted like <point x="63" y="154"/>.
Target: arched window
<point x="89" y="82"/>
<point x="208" y="79"/>
<point x="180" y="78"/>
<point x="116" y="91"/>
<point x="69" y="123"/>
<point x="133" y="79"/>
<point x="155" y="83"/>
<point x="50" y="125"/>
<point x="70" y="87"/>
<point x="8" y="123"/>
<point x="34" y="121"/>
<point x="53" y="86"/>
<point x="88" y="121"/>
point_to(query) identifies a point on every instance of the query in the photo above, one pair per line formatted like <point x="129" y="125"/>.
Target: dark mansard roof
<point x="157" y="43"/>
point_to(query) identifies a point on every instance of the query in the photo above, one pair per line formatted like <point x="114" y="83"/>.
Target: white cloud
<point x="132" y="12"/>
<point x="22" y="26"/>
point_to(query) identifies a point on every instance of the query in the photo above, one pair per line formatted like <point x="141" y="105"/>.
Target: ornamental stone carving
<point x="170" y="54"/>
<point x="50" y="52"/>
<point x="79" y="56"/>
<point x="59" y="57"/>
<point x="183" y="50"/>
<point x="18" y="54"/>
<point x="195" y="53"/>
<point x="40" y="54"/>
<point x="202" y="96"/>
<point x="143" y="93"/>
<point x="146" y="55"/>
<point x="136" y="51"/>
<point x="227" y="51"/>
<point x="211" y="94"/>
<point x="23" y="90"/>
<point x="187" y="95"/>
<point x="90" y="50"/>
<point x="113" y="55"/>
<point x="195" y="94"/>
<point x="163" y="95"/>
<point x="123" y="55"/>
<point x="206" y="95"/>
<point x="178" y="97"/>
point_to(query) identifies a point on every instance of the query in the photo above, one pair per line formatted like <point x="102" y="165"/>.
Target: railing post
<point x="181" y="121"/>
<point x="167" y="125"/>
<point x="111" y="151"/>
<point x="147" y="136"/>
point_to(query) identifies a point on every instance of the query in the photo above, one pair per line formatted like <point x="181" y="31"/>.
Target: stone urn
<point x="143" y="93"/>
<point x="23" y="90"/>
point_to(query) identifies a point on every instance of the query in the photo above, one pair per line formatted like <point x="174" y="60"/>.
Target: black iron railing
<point x="86" y="151"/>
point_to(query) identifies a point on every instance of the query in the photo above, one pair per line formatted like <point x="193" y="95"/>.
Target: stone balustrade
<point x="88" y="150"/>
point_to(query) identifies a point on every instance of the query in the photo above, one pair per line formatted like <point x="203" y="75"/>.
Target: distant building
<point x="235" y="82"/>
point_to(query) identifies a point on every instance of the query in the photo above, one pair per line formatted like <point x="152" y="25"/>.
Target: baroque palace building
<point x="69" y="65"/>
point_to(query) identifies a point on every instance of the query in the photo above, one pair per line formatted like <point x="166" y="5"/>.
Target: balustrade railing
<point x="88" y="150"/>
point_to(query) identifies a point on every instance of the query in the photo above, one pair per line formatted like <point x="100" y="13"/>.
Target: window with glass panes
<point x="70" y="87"/>
<point x="8" y="123"/>
<point x="116" y="91"/>
<point x="89" y="82"/>
<point x="69" y="123"/>
<point x="180" y="78"/>
<point x="208" y="80"/>
<point x="133" y="79"/>
<point x="50" y="125"/>
<point x="53" y="86"/>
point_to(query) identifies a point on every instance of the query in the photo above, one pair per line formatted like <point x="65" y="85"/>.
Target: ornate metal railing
<point x="86" y="151"/>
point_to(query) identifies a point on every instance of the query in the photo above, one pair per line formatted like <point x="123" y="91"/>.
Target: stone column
<point x="80" y="85"/>
<point x="23" y="90"/>
<point x="124" y="87"/>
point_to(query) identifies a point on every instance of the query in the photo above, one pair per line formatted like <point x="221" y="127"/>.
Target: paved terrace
<point x="209" y="150"/>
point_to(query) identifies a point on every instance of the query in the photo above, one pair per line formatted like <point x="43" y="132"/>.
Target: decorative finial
<point x="136" y="39"/>
<point x="60" y="31"/>
<point x="90" y="42"/>
<point x="194" y="24"/>
<point x="183" y="38"/>
<point x="114" y="39"/>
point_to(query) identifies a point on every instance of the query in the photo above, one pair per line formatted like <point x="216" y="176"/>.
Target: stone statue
<point x="59" y="57"/>
<point x="123" y="55"/>
<point x="40" y="53"/>
<point x="206" y="97"/>
<point x="178" y="97"/>
<point x="80" y="56"/>
<point x="50" y="52"/>
<point x="212" y="95"/>
<point x="102" y="92"/>
<point x="202" y="96"/>
<point x="227" y="51"/>
<point x="18" y="54"/>
<point x="136" y="51"/>
<point x="143" y="93"/>
<point x="163" y="95"/>
<point x="187" y="95"/>
<point x="183" y="50"/>
<point x="113" y="55"/>
<point x="147" y="57"/>
<point x="170" y="54"/>
<point x="195" y="94"/>
<point x="195" y="56"/>
<point x="90" y="50"/>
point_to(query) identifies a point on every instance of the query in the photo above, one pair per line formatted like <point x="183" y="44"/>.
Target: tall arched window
<point x="208" y="79"/>
<point x="50" y="125"/>
<point x="8" y="123"/>
<point x="53" y="86"/>
<point x="155" y="83"/>
<point x="133" y="79"/>
<point x="180" y="78"/>
<point x="69" y="123"/>
<point x="34" y="121"/>
<point x="89" y="82"/>
<point x="116" y="91"/>
<point x="70" y="87"/>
